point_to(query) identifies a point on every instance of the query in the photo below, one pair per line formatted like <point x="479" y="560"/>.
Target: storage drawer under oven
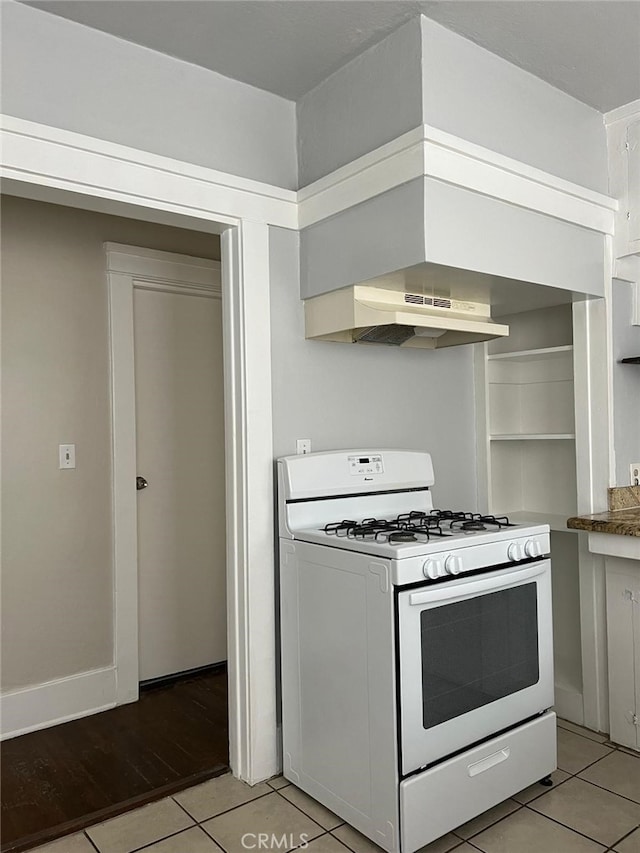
<point x="438" y="800"/>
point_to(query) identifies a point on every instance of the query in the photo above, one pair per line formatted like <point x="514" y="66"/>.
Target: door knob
<point x="141" y="483"/>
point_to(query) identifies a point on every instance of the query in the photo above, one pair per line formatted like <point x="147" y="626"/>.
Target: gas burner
<point x="402" y="536"/>
<point x="476" y="524"/>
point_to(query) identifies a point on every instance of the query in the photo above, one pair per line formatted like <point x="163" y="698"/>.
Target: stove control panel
<point x="449" y="564"/>
<point x="432" y="569"/>
<point x="532" y="548"/>
<point x="439" y="568"/>
<point x="362" y="465"/>
<point x="453" y="564"/>
<point x="515" y="552"/>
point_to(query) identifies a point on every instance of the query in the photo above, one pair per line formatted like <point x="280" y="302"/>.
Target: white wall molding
<point x="66" y="168"/>
<point x="623" y="143"/>
<point x="53" y="702"/>
<point x="595" y="467"/>
<point x="149" y="264"/>
<point x="250" y="510"/>
<point x="388" y="166"/>
<point x="153" y="270"/>
<point x="626" y="111"/>
<point x="568" y="703"/>
<point x="33" y="153"/>
<point x="428" y="152"/>
<point x="628" y="269"/>
<point x="130" y="268"/>
<point x="69" y="161"/>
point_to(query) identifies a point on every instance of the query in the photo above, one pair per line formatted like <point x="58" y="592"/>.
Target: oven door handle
<point x="463" y="589"/>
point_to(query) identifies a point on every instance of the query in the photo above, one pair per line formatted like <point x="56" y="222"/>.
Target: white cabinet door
<point x="633" y="152"/>
<point x="623" y="635"/>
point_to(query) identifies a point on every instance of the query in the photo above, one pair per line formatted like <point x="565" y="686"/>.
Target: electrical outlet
<point x="634" y="473"/>
<point x="67" y="455"/>
<point x="303" y="446"/>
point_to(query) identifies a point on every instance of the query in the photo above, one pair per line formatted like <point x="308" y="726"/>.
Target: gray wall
<point x="63" y="74"/>
<point x="479" y="96"/>
<point x="353" y="395"/>
<point x="474" y="232"/>
<point x="383" y="234"/>
<point x="424" y="73"/>
<point x="430" y="220"/>
<point x="66" y="75"/>
<point x="626" y="383"/>
<point x="371" y="100"/>
<point x="57" y="583"/>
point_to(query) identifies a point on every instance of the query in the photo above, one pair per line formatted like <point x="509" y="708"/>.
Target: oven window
<point x="477" y="651"/>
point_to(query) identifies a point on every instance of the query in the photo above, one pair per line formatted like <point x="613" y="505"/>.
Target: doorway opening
<point x="61" y="777"/>
<point x="167" y="387"/>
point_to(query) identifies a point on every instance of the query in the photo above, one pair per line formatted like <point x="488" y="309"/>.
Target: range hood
<point x="369" y="314"/>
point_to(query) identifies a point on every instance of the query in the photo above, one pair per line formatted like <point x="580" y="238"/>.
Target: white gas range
<point x="416" y="647"/>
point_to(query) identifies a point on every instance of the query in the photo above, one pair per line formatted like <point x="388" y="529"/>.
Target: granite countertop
<point x="623" y="517"/>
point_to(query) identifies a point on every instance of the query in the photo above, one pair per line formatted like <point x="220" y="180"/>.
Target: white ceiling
<point x="590" y="49"/>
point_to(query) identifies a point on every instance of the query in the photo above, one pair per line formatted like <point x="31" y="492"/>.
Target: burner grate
<point x="416" y="526"/>
<point x="409" y="527"/>
<point x="470" y="520"/>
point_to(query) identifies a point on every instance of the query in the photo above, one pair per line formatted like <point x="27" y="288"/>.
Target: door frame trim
<point x="61" y="167"/>
<point x="128" y="267"/>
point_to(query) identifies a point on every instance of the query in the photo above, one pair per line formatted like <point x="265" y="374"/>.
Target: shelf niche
<point x="531" y="394"/>
<point x="528" y="414"/>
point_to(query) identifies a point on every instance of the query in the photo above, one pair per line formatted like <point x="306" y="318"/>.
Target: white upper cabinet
<point x="623" y="135"/>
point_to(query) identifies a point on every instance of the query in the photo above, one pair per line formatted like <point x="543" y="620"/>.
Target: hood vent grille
<point x="392" y="334"/>
<point x="413" y="299"/>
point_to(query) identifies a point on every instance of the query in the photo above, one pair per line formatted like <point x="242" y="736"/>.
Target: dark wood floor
<point x="64" y="778"/>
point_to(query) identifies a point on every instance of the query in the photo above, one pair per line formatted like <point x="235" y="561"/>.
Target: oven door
<point x="476" y="657"/>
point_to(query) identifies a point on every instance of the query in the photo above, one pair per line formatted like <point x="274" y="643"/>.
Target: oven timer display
<point x="360" y="466"/>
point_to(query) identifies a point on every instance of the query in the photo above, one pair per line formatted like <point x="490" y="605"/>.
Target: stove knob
<point x="432" y="569"/>
<point x="515" y="552"/>
<point x="453" y="565"/>
<point x="532" y="548"/>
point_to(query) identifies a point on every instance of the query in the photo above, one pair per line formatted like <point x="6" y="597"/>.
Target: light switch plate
<point x="67" y="455"/>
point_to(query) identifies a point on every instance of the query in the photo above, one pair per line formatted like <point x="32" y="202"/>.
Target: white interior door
<point x="180" y="453"/>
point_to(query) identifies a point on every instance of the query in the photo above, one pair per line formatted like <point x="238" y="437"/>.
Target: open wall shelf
<point x="538" y="436"/>
<point x="527" y="426"/>
<point x="541" y="354"/>
<point x="531" y="395"/>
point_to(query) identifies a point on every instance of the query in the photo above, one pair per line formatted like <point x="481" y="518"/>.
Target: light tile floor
<point x="594" y="806"/>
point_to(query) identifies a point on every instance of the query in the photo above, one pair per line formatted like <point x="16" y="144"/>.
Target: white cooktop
<point x="452" y="541"/>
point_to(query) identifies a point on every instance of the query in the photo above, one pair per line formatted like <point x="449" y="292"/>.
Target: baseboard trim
<point x="569" y="705"/>
<point x="53" y="702"/>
